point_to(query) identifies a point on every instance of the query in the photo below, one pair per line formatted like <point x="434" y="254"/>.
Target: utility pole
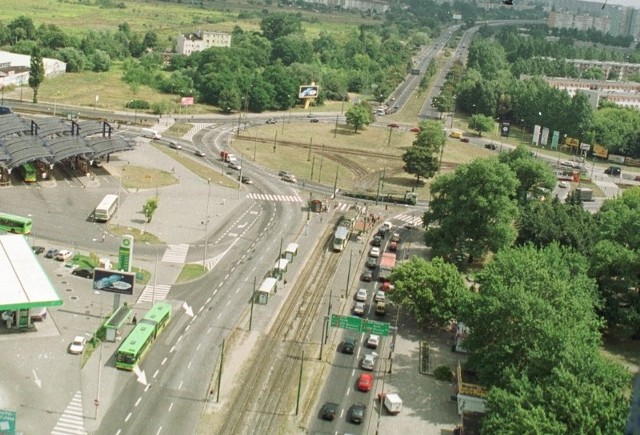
<point x="309" y="155"/>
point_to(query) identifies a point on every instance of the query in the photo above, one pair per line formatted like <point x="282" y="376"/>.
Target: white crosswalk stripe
<point x="409" y="218"/>
<point x="71" y="422"/>
<point x="176" y="253"/>
<point x="274" y="198"/>
<point x="195" y="129"/>
<point x="155" y="293"/>
<point x="344" y="206"/>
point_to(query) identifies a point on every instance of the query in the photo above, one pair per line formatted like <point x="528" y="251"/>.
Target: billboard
<point x="504" y="130"/>
<point x="600" y="151"/>
<point x="186" y="101"/>
<point x="309" y="91"/>
<point x="113" y="281"/>
<point x="544" y="137"/>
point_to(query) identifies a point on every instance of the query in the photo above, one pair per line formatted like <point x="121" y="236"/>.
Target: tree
<point x="36" y="73"/>
<point x="422" y="159"/>
<point x="101" y="61"/>
<point x="150" y="208"/>
<point x="473" y="210"/>
<point x="481" y="123"/>
<point x="430" y="291"/>
<point x="275" y="26"/>
<point x="359" y="115"/>
<point x="534" y="312"/>
<point x="534" y="175"/>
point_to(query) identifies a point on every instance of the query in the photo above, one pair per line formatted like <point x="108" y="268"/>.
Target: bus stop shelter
<point x="267" y="287"/>
<point x="116" y="321"/>
<point x="291" y="252"/>
<point x="280" y="268"/>
<point x="24" y="284"/>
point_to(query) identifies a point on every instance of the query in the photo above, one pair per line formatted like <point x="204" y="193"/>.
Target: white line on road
<point x="353" y="372"/>
<point x="200" y="310"/>
<point x="170" y="406"/>
<point x="179" y="338"/>
<point x="147" y="387"/>
<point x="164" y="361"/>
<point x="180" y="386"/>
<point x="127" y="417"/>
<point x="159" y="430"/>
<point x="348" y="390"/>
<point x="199" y="344"/>
<point x="209" y="330"/>
<point x="187" y="328"/>
<point x="341" y="413"/>
<point x="219" y="316"/>
<point x="229" y="301"/>
<point x="173" y="348"/>
<point x="226" y="277"/>
<point x="156" y="373"/>
<point x="138" y="401"/>
<point x="207" y="301"/>
<point x="189" y="366"/>
<point x="238" y="289"/>
<point x="119" y="430"/>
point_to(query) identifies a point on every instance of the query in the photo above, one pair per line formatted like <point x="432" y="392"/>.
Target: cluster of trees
<point x="489" y="87"/>
<point x="558" y="277"/>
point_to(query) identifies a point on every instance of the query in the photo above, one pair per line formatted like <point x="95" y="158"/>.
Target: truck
<point x="387" y="263"/>
<point x="584" y="193"/>
<point x="227" y="157"/>
<point x="150" y="133"/>
<point x="340" y="238"/>
<point x="392" y="403"/>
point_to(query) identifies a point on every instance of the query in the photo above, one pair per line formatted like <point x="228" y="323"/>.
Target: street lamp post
<point x="206" y="225"/>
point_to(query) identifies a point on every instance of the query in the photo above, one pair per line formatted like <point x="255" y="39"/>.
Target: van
<point x="456" y="134"/>
<point x="150" y="133"/>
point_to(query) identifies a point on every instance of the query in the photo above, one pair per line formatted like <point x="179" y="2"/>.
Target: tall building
<point x="200" y="40"/>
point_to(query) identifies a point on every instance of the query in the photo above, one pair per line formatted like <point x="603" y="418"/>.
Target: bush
<point x="443" y="373"/>
<point x="138" y="104"/>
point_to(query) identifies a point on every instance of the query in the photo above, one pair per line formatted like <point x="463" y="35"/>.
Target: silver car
<point x="369" y="361"/>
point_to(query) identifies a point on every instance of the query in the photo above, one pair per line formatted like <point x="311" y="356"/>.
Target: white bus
<point x="151" y="133"/>
<point x="106" y="208"/>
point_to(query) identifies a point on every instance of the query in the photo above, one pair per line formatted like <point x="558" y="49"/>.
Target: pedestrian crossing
<point x="343" y="206"/>
<point x="155" y="293"/>
<point x="71" y="422"/>
<point x="412" y="219"/>
<point x="175" y="253"/>
<point x="274" y="198"/>
<point x="195" y="129"/>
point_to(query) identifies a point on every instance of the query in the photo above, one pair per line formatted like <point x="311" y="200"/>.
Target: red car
<point x="415" y="130"/>
<point x="365" y="382"/>
<point x="393" y="125"/>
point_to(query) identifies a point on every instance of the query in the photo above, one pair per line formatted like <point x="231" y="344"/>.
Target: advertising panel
<point x="308" y="91"/>
<point x="536" y="135"/>
<point x="125" y="252"/>
<point x="113" y="281"/>
<point x="504" y="130"/>
<point x="554" y="140"/>
<point x="186" y="101"/>
<point x="600" y="151"/>
<point x="544" y="138"/>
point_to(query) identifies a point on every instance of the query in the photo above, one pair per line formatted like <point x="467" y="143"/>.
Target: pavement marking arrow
<point x="38" y="380"/>
<point x="142" y="378"/>
<point x="187" y="309"/>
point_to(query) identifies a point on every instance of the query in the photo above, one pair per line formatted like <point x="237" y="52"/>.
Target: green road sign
<point x="7" y="421"/>
<point x="378" y="328"/>
<point x="349" y="323"/>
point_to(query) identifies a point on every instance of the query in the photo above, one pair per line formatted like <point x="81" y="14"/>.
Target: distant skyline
<point x="629" y="3"/>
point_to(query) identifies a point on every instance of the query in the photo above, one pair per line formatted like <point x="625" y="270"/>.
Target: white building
<point x="200" y="40"/>
<point x="14" y="68"/>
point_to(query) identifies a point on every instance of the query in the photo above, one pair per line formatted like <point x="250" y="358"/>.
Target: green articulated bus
<point x="141" y="338"/>
<point x="14" y="224"/>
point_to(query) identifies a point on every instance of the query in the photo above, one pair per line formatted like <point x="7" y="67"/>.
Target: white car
<point x="77" y="345"/>
<point x="369" y="361"/>
<point x="388" y="225"/>
<point x="373" y="341"/>
<point x="290" y="178"/>
<point x="361" y="296"/>
<point x="358" y="309"/>
<point x="235" y="165"/>
<point x="64" y="255"/>
<point x="375" y="252"/>
<point x="563" y="185"/>
<point x="379" y="296"/>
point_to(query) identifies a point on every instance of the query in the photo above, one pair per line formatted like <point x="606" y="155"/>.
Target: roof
<point x="342" y="232"/>
<point x="24" y="282"/>
<point x="268" y="285"/>
<point x="54" y="139"/>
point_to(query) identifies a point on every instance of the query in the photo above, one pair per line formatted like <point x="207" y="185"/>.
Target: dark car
<point x="246" y="180"/>
<point x="357" y="413"/>
<point x="38" y="249"/>
<point x="328" y="411"/>
<point x="464" y="139"/>
<point x="367" y="276"/>
<point x="371" y="263"/>
<point x="83" y="273"/>
<point x="314" y="120"/>
<point x="613" y="170"/>
<point x="4" y="110"/>
<point x="51" y="253"/>
<point x="377" y="240"/>
<point x="383" y="232"/>
<point x="271" y="121"/>
<point x="349" y="346"/>
<point x="491" y="146"/>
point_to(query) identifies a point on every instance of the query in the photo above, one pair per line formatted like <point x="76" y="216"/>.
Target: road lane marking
<point x="180" y="386"/>
<point x="138" y="401"/>
<point x="173" y="348"/>
<point x="164" y="361"/>
<point x="353" y="372"/>
<point x="156" y="373"/>
<point x="187" y="328"/>
<point x="170" y="406"/>
<point x="189" y="366"/>
<point x="147" y="387"/>
<point x="200" y="310"/>
<point x="159" y="430"/>
<point x="199" y="344"/>
<point x="238" y="289"/>
<point x="219" y="316"/>
<point x="127" y="417"/>
<point x="207" y="301"/>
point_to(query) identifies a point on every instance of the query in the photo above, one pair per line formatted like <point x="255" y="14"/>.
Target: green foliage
<point x="358" y="116"/>
<point x="74" y="59"/>
<point x="138" y="104"/>
<point x="533" y="174"/>
<point x="430" y="291"/>
<point x="481" y="123"/>
<point x="36" y="73"/>
<point x="443" y="373"/>
<point x="422" y="159"/>
<point x="100" y="61"/>
<point x="618" y="129"/>
<point x="277" y="25"/>
<point x="472" y="210"/>
<point x="150" y="208"/>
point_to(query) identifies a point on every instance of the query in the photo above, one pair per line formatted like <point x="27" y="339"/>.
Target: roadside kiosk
<point x="290" y="252"/>
<point x="267" y="287"/>
<point x="280" y="268"/>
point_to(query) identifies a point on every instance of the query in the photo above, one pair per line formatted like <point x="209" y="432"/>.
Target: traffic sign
<point x="349" y="323"/>
<point x="7" y="421"/>
<point x="378" y="328"/>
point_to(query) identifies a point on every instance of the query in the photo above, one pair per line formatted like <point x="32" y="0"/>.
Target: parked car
<point x="83" y="272"/>
<point x="349" y="345"/>
<point x="38" y="249"/>
<point x="361" y="295"/>
<point x="64" y="255"/>
<point x="77" y="345"/>
<point x="235" y="165"/>
<point x="368" y="361"/>
<point x="290" y="178"/>
<point x="283" y="173"/>
<point x="491" y="146"/>
<point x="328" y="411"/>
<point x="272" y="121"/>
<point x="375" y="252"/>
<point x="358" y="309"/>
<point x="464" y="139"/>
<point x="373" y="341"/>
<point x="367" y="276"/>
<point x="365" y="382"/>
<point x="382" y="232"/>
<point x="314" y="120"/>
<point x="380" y="296"/>
<point x="51" y="253"/>
<point x="357" y="412"/>
<point x="199" y="153"/>
<point x="393" y="246"/>
<point x="415" y="130"/>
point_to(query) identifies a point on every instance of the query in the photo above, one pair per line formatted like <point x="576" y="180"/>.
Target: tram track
<point x="264" y="401"/>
